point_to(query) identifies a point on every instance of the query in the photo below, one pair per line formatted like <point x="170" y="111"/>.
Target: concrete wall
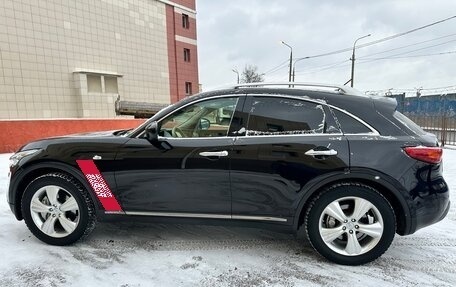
<point x="47" y="48"/>
<point x="16" y="133"/>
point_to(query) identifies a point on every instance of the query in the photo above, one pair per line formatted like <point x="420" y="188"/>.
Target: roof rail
<point x="334" y="88"/>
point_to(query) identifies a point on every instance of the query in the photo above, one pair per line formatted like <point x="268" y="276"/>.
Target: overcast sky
<point x="235" y="33"/>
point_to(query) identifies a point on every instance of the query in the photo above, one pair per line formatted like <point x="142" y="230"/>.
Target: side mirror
<point x="204" y="124"/>
<point x="151" y="132"/>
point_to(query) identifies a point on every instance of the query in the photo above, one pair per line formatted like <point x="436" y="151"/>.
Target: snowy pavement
<point x="187" y="255"/>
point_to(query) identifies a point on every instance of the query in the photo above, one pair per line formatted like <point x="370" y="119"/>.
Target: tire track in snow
<point x="188" y="245"/>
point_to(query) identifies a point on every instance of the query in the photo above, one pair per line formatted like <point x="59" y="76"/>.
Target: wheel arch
<point x="29" y="173"/>
<point x="384" y="184"/>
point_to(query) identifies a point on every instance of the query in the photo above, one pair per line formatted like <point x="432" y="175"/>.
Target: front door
<point x="188" y="174"/>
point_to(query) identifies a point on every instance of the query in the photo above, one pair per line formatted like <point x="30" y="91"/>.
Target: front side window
<point x="283" y="116"/>
<point x="211" y="118"/>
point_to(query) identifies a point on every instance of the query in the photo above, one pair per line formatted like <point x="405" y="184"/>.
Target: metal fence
<point x="435" y="114"/>
<point x="443" y="127"/>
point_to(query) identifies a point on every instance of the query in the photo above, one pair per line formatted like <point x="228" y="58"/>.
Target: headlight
<point x="15" y="158"/>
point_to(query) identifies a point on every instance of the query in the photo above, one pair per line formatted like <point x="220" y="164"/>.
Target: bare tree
<point x="251" y="75"/>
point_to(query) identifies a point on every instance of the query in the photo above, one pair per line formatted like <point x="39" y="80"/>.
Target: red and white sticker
<point x="99" y="185"/>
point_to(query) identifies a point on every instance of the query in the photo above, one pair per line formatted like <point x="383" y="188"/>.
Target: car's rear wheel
<point x="57" y="209"/>
<point x="350" y="223"/>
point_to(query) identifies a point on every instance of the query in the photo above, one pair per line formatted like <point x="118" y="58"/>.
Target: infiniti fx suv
<point x="349" y="169"/>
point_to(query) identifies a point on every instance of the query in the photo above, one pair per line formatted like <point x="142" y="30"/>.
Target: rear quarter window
<point x="349" y="124"/>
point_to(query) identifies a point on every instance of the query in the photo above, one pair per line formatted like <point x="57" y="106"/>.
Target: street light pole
<point x="237" y="73"/>
<point x="294" y="66"/>
<point x="352" y="79"/>
<point x="291" y="59"/>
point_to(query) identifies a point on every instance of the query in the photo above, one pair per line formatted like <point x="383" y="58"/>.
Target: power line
<point x="278" y="67"/>
<point x="395" y="56"/>
<point x="420" y="49"/>
<point x="282" y="65"/>
<point x="381" y="40"/>
<point x="406" y="46"/>
<point x="412" y="56"/>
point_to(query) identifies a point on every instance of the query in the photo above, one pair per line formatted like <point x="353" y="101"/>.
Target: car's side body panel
<point x="178" y="179"/>
<point x="268" y="173"/>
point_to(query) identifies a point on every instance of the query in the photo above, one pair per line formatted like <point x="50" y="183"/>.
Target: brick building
<point x="75" y="58"/>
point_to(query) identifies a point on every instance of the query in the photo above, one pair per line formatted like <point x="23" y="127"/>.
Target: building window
<point x="106" y="84"/>
<point x="186" y="55"/>
<point x="185" y="21"/>
<point x="111" y="85"/>
<point x="188" y="88"/>
<point x="94" y="84"/>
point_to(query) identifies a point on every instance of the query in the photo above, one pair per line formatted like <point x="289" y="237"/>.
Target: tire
<point x="350" y="223"/>
<point x="57" y="209"/>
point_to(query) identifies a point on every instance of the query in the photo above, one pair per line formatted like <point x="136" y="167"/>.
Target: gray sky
<point x="235" y="33"/>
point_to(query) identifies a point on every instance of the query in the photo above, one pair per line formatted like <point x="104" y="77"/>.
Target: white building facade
<point x="75" y="58"/>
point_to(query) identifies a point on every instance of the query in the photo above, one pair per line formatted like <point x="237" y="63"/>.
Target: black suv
<point x="348" y="168"/>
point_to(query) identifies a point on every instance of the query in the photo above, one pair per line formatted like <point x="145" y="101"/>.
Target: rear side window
<point x="409" y="123"/>
<point x="349" y="124"/>
<point x="277" y="116"/>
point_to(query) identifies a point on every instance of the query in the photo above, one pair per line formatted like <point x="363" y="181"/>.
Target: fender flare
<point x="364" y="175"/>
<point x="55" y="166"/>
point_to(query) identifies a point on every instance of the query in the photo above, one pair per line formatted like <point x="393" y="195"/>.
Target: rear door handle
<point x="328" y="152"/>
<point x="214" y="153"/>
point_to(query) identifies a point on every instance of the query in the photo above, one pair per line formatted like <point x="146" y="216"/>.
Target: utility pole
<point x="352" y="79"/>
<point x="291" y="59"/>
<point x="236" y="71"/>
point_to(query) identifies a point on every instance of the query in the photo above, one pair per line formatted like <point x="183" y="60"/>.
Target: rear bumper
<point x="432" y="209"/>
<point x="431" y="202"/>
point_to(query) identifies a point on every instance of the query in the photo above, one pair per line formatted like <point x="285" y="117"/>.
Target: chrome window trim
<point x="292" y="135"/>
<point x="205" y="215"/>
<point x="374" y="131"/>
<point x="196" y="138"/>
<point x="303" y="98"/>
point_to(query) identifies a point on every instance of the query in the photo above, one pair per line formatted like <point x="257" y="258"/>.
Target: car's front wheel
<point x="350" y="223"/>
<point x="57" y="209"/>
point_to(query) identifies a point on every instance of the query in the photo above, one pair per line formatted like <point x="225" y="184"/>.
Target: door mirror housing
<point x="151" y="132"/>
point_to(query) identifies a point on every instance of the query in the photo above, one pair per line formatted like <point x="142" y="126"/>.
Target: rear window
<point x="408" y="123"/>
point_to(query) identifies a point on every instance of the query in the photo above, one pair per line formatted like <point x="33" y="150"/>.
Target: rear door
<point x="286" y="143"/>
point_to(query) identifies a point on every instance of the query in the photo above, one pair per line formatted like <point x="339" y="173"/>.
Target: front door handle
<point x="214" y="153"/>
<point x="327" y="152"/>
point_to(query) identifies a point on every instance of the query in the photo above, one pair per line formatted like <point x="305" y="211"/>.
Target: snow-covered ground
<point x="187" y="255"/>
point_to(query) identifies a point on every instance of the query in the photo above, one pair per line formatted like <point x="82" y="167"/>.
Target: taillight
<point x="425" y="153"/>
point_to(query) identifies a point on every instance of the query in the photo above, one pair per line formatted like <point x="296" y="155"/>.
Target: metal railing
<point x="443" y="126"/>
